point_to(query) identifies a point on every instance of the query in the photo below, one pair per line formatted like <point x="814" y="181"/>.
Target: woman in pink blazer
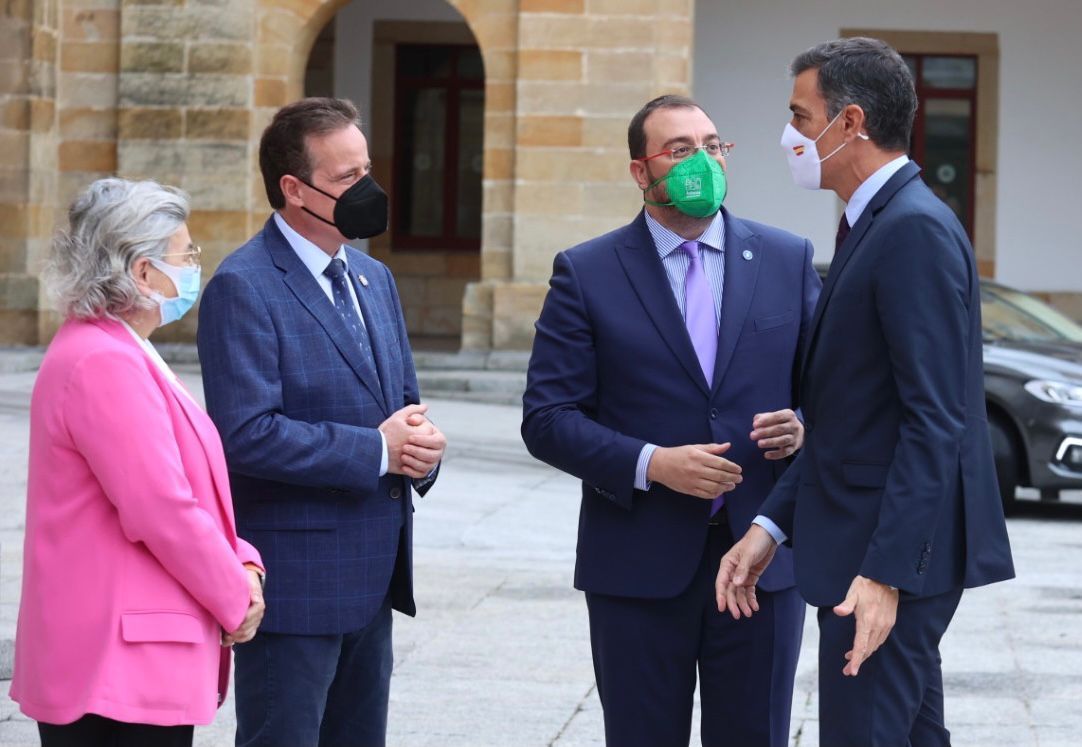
<point x="134" y="579"/>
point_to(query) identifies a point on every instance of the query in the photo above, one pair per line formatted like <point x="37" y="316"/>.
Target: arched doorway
<point x="416" y="73"/>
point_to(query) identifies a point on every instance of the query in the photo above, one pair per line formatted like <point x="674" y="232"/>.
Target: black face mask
<point x="360" y="212"/>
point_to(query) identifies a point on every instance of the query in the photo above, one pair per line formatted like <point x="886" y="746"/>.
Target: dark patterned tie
<point x="343" y="304"/>
<point x="843" y="231"/>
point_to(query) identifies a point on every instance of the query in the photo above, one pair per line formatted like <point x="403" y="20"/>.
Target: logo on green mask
<point x="696" y="186"/>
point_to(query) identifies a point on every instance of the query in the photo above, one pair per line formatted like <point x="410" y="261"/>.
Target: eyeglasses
<point x="680" y="152"/>
<point x="192" y="256"/>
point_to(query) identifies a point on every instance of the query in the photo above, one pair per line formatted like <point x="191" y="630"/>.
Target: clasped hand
<point x="254" y="615"/>
<point x="414" y="445"/>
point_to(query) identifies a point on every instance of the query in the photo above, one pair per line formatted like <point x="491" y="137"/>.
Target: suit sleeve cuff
<point x="384" y="460"/>
<point x="641" y="483"/>
<point x="771" y="528"/>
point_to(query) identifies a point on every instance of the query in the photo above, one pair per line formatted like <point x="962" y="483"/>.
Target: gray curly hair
<point x="112" y="224"/>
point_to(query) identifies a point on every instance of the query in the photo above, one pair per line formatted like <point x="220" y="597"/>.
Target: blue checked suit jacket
<point x="298" y="406"/>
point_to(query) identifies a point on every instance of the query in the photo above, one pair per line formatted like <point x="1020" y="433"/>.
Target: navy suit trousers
<point x="646" y="652"/>
<point x="897" y="699"/>
<point x="315" y="690"/>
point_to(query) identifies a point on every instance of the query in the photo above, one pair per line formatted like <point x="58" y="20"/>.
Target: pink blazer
<point x="132" y="565"/>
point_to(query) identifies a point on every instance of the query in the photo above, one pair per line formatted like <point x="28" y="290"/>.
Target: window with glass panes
<point x="944" y="138"/>
<point x="439" y="111"/>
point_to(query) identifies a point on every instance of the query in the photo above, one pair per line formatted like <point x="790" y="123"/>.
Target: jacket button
<point x="713" y="413"/>
<point x="396" y="493"/>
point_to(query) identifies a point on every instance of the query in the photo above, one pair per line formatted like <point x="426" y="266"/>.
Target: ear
<point x="140" y="272"/>
<point x="638" y="173"/>
<point x="291" y="190"/>
<point x="853" y="122"/>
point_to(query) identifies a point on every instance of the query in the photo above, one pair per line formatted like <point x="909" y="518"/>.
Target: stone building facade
<point x="180" y="90"/>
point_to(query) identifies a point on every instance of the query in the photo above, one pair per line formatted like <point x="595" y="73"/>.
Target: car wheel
<point x="1007" y="462"/>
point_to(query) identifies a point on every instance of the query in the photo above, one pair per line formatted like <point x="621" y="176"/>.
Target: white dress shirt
<point x="870" y="187"/>
<point x="316" y="260"/>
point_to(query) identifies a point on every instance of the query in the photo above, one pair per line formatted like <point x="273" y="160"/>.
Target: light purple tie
<point x="699" y="311"/>
<point x="701" y="321"/>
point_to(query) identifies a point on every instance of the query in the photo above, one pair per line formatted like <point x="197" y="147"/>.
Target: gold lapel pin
<point x="363" y="279"/>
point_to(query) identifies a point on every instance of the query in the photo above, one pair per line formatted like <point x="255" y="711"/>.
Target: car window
<point x="1012" y="315"/>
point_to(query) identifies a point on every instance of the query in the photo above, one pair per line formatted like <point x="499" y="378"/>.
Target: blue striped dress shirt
<point x="712" y="249"/>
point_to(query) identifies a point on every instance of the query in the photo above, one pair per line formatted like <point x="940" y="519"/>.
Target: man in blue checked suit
<point x="662" y="376"/>
<point x="310" y="380"/>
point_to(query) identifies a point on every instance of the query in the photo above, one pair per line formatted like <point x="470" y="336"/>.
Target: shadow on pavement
<point x="1047" y="510"/>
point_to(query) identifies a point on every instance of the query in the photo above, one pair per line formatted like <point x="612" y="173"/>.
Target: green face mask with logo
<point x="696" y="186"/>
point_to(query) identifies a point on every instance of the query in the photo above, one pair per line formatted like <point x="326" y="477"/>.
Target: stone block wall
<point x="185" y="99"/>
<point x="180" y="90"/>
<point x="29" y="34"/>
<point x="582" y="68"/>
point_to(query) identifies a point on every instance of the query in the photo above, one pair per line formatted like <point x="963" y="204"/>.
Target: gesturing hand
<point x="697" y="470"/>
<point x="254" y="615"/>
<point x="739" y="571"/>
<point x="779" y="433"/>
<point x="876" y="608"/>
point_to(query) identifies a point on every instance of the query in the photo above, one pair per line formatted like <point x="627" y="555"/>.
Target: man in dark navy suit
<point x="662" y="376"/>
<point x="309" y="378"/>
<point x="892" y="505"/>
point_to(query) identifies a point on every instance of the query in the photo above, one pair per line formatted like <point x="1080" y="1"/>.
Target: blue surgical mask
<point x="186" y="281"/>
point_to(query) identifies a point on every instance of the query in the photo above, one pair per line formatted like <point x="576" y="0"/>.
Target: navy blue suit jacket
<point x="613" y="368"/>
<point x="298" y="406"/>
<point x="896" y="481"/>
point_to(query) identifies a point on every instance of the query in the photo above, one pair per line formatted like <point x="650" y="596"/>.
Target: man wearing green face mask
<point x="662" y="376"/>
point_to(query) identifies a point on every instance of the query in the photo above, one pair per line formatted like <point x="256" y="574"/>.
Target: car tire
<point x="1008" y="459"/>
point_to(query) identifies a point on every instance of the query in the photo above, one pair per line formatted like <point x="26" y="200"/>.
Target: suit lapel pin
<point x="363" y="279"/>
<point x="747" y="254"/>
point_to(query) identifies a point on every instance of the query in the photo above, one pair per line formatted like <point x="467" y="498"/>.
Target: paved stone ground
<point x="500" y="657"/>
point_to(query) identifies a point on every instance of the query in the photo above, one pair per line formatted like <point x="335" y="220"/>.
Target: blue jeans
<point x="315" y="690"/>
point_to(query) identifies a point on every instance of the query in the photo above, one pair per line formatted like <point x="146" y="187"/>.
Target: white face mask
<point x="804" y="157"/>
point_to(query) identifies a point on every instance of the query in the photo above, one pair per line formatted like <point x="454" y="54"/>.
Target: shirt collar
<point x="667" y="242"/>
<point x="868" y="189"/>
<point x="314" y="258"/>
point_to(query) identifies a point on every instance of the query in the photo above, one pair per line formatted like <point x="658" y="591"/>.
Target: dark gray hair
<point x="113" y="223"/>
<point x="283" y="149"/>
<point x="872" y="75"/>
<point x="636" y="130"/>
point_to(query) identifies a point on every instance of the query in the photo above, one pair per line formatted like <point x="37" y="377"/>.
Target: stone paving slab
<point x="499" y="655"/>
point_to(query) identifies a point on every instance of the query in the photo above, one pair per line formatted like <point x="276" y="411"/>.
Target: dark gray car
<point x="1033" y="385"/>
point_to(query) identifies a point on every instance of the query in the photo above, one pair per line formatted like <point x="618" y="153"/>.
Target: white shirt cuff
<point x="641" y="483"/>
<point x="771" y="528"/>
<point x="384" y="460"/>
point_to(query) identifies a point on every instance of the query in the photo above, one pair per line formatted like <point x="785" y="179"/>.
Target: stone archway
<point x="287" y="29"/>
